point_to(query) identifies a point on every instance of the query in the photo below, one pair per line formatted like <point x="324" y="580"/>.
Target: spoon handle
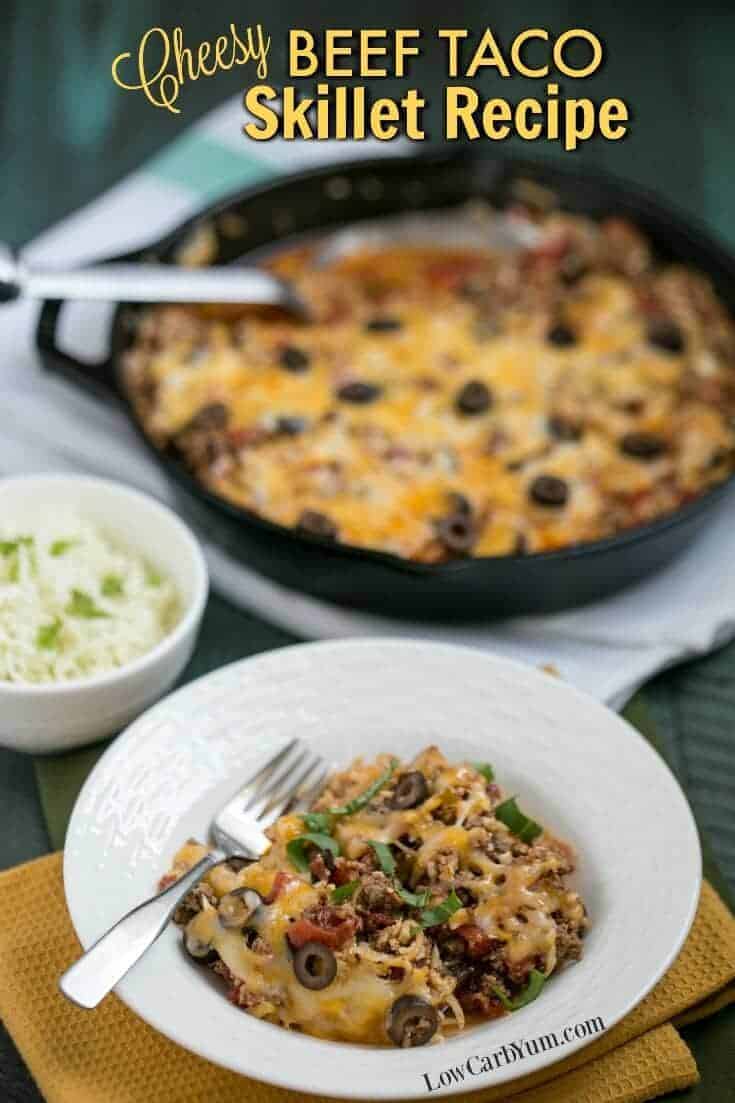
<point x="147" y="283"/>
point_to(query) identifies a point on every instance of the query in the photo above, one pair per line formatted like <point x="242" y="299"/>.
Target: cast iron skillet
<point x="377" y="581"/>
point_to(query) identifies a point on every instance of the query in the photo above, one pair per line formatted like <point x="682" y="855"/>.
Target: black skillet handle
<point x="99" y="378"/>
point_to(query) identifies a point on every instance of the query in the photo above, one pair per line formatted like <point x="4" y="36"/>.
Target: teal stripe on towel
<point x="205" y="167"/>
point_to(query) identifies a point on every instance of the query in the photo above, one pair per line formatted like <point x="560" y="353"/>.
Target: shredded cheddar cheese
<point x="564" y="391"/>
<point x="448" y="916"/>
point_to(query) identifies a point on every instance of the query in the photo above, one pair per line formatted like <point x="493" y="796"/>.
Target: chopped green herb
<point x="357" y="803"/>
<point x="388" y="865"/>
<point x="344" y="892"/>
<point x="536" y="981"/>
<point x="318" y="821"/>
<point x="61" y="547"/>
<point x="297" y="849"/>
<point x="152" y="577"/>
<point x="413" y="899"/>
<point x="432" y="917"/>
<point x="82" y="605"/>
<point x="385" y="857"/>
<point x="516" y="821"/>
<point x="8" y="547"/>
<point x="323" y="821"/>
<point x="485" y="769"/>
<point x="48" y="635"/>
<point x="112" y="585"/>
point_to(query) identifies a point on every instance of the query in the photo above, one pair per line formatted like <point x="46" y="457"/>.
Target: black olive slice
<point x="317" y="524"/>
<point x="384" y="325"/>
<point x="236" y="907"/>
<point x="549" y="490"/>
<point x="294" y="359"/>
<point x="457" y="533"/>
<point x="359" y="393"/>
<point x="315" y="965"/>
<point x="561" y="335"/>
<point x="201" y="952"/>
<point x="562" y="428"/>
<point x="642" y="446"/>
<point x="290" y="426"/>
<point x="412" y="1021"/>
<point x="410" y="790"/>
<point x="473" y="398"/>
<point x="666" y="335"/>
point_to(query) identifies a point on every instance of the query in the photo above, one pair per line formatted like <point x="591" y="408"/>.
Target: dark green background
<point x="67" y="132"/>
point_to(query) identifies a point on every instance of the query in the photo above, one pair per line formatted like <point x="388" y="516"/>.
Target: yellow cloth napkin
<point x="111" y="1056"/>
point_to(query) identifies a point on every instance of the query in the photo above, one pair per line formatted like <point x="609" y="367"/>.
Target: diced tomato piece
<point x="478" y="943"/>
<point x="334" y="936"/>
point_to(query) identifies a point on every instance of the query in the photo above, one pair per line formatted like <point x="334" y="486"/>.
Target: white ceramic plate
<point x="578" y="767"/>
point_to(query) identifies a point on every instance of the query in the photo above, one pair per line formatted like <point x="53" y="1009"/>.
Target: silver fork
<point x="291" y="779"/>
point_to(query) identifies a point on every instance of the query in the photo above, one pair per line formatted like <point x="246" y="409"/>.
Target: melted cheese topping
<point x="383" y="470"/>
<point x="518" y="894"/>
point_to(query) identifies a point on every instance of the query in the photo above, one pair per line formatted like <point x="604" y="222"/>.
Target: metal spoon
<point x="147" y="283"/>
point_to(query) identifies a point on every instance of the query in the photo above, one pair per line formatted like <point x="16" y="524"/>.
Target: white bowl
<point x="55" y="716"/>
<point x="577" y="767"/>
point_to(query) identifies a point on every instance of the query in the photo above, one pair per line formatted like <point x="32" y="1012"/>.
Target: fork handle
<point x="105" y="963"/>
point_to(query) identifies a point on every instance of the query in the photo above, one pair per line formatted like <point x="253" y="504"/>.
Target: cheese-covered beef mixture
<point x="411" y="900"/>
<point x="446" y="403"/>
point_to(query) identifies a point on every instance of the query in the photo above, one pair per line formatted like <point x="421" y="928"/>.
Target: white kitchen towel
<point x="609" y="648"/>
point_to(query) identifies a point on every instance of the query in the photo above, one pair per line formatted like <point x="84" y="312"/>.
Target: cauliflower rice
<point x="74" y="602"/>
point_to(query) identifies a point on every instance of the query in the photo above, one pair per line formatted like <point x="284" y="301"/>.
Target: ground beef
<point x="377" y="921"/>
<point x="518" y="972"/>
<point x="477" y="942"/>
<point x="350" y="869"/>
<point x="193" y="903"/>
<point x="479" y="1003"/>
<point x="377" y="894"/>
<point x="442" y="868"/>
<point x="568" y="941"/>
<point x="477" y="987"/>
<point x="318" y="868"/>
